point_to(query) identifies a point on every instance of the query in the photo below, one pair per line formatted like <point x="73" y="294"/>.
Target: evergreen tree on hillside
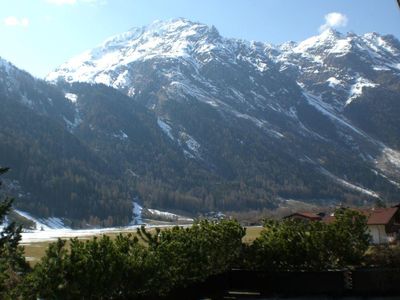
<point x="12" y="261"/>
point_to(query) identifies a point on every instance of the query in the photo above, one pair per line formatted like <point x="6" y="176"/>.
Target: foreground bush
<point x="386" y="256"/>
<point x="12" y="261"/>
<point x="290" y="245"/>
<point x="193" y="254"/>
<point x="124" y="268"/>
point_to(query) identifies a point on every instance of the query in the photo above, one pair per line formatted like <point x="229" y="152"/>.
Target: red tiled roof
<point x="375" y="216"/>
<point x="381" y="216"/>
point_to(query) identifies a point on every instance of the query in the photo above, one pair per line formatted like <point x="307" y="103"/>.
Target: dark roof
<point x="307" y="215"/>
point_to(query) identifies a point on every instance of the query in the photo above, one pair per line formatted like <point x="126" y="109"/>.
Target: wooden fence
<point x="237" y="283"/>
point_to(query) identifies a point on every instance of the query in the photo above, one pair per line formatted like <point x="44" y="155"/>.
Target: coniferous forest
<point x="93" y="173"/>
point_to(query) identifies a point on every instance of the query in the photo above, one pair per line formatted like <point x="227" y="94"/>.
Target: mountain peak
<point x="327" y="37"/>
<point x="176" y="26"/>
<point x="174" y="22"/>
<point x="158" y="28"/>
<point x="175" y="38"/>
<point x="330" y="33"/>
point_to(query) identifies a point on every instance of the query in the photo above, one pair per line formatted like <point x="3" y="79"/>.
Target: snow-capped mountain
<point x="206" y="122"/>
<point x="270" y="86"/>
<point x="338" y="67"/>
<point x="354" y="76"/>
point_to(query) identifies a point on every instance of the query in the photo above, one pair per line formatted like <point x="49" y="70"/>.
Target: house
<point x="383" y="223"/>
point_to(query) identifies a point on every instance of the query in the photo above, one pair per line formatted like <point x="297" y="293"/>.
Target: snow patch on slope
<point x="71" y="97"/>
<point x="121" y="135"/>
<point x="342" y="47"/>
<point x="348" y="184"/>
<point x="191" y="144"/>
<point x="328" y="111"/>
<point x="389" y="161"/>
<point x="395" y="66"/>
<point x="137" y="213"/>
<point x="77" y="120"/>
<point x="356" y="89"/>
<point x="333" y="82"/>
<point x="43" y="223"/>
<point x="165" y="128"/>
<point x="377" y="43"/>
<point x="393" y="156"/>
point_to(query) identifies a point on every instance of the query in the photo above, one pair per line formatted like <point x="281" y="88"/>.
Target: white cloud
<point x="334" y="20"/>
<point x="12" y="21"/>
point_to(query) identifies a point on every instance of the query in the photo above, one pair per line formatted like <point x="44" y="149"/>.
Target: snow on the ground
<point x="44" y="224"/>
<point x="54" y="234"/>
<point x="49" y="235"/>
<point x="169" y="215"/>
<point x="50" y="229"/>
<point x="137" y="214"/>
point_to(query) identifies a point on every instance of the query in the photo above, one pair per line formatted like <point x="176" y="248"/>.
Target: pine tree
<point x="12" y="261"/>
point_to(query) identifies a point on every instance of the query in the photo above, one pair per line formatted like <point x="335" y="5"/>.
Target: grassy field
<point x="34" y="251"/>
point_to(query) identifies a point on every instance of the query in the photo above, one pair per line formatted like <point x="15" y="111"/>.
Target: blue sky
<point x="39" y="35"/>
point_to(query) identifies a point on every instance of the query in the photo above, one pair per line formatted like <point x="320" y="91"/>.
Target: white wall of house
<point x="378" y="234"/>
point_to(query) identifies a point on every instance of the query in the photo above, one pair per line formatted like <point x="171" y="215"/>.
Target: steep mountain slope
<point x="53" y="172"/>
<point x="183" y="118"/>
<point x="354" y="75"/>
<point x="355" y="78"/>
<point x="301" y="98"/>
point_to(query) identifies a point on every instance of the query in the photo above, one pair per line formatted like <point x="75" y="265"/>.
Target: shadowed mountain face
<point x="201" y="122"/>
